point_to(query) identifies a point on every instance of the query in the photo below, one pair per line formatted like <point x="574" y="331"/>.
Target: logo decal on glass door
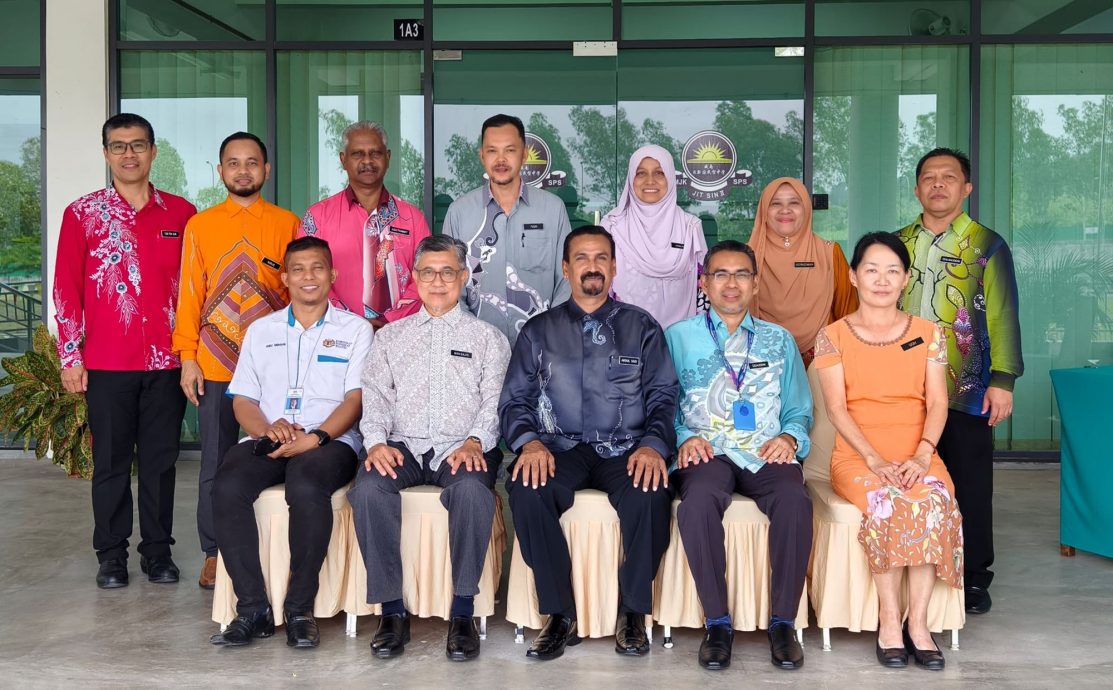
<point x="537" y="168"/>
<point x="710" y="164"/>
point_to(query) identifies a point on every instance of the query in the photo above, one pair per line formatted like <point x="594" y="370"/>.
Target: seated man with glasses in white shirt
<point x="430" y="416"/>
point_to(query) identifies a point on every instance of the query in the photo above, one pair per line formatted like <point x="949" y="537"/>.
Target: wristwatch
<point x="323" y="435"/>
<point x="790" y="437"/>
<point x="476" y="439"/>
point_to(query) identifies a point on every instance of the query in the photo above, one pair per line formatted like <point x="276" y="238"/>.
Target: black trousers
<point x="705" y="494"/>
<point x="311" y="478"/>
<point x="134" y="415"/>
<point x="643" y="516"/>
<point x="966" y="447"/>
<point x="219" y="432"/>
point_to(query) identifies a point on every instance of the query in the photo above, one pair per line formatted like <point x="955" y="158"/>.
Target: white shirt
<point x="325" y="361"/>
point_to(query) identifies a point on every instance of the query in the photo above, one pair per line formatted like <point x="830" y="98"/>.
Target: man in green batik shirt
<point x="963" y="279"/>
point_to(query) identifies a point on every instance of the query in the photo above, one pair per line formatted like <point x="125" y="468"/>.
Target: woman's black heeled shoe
<point x="893" y="657"/>
<point x="931" y="659"/>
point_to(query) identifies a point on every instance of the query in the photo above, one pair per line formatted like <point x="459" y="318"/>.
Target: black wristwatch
<point x="323" y="435"/>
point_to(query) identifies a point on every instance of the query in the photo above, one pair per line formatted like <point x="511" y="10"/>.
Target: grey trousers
<point x="377" y="513"/>
<point x="219" y="432"/>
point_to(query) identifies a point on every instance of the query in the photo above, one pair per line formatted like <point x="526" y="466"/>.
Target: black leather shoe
<point x="785" y="648"/>
<point x="161" y="570"/>
<point x="631" y="639"/>
<point x="246" y="628"/>
<point x="559" y="632"/>
<point x="302" y="630"/>
<point x="931" y="659"/>
<point x="391" y="637"/>
<point x="463" y="639"/>
<point x="715" y="650"/>
<point x="892" y="657"/>
<point x="113" y="574"/>
<point x="977" y="600"/>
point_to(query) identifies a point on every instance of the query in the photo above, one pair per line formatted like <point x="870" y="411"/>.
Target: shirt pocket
<point x="464" y="369"/>
<point x="331" y="371"/>
<point x="624" y="375"/>
<point x="536" y="253"/>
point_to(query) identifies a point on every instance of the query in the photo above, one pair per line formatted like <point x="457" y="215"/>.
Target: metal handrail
<point x="19" y="311"/>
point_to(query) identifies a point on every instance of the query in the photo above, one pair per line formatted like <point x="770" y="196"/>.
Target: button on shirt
<point x="515" y="258"/>
<point x="431" y="382"/>
<point x="775" y="382"/>
<point x="116" y="281"/>
<point x="605" y="379"/>
<point x="325" y="361"/>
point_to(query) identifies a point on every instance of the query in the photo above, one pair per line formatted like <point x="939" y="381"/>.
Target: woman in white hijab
<point x="658" y="245"/>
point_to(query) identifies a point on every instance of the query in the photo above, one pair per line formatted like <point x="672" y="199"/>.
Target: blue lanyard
<point x="736" y="377"/>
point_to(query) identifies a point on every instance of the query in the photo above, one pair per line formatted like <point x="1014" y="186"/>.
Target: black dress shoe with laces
<point x="978" y="600"/>
<point x="715" y="650"/>
<point x="391" y="637"/>
<point x="463" y="639"/>
<point x="559" y="632"/>
<point x="931" y="659"/>
<point x="784" y="647"/>
<point x="631" y="639"/>
<point x="302" y="631"/>
<point x="112" y="574"/>
<point x="245" y="628"/>
<point x="161" y="570"/>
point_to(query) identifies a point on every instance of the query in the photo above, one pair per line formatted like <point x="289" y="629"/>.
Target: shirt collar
<point x="578" y="314"/>
<point x="451" y="317"/>
<point x="350" y="195"/>
<point x="747" y="322"/>
<point x="960" y="225"/>
<point x="523" y="193"/>
<point x="255" y="209"/>
<point x="293" y="323"/>
<point x="155" y="196"/>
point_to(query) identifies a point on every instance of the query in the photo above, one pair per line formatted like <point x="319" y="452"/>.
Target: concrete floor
<point x="1050" y="626"/>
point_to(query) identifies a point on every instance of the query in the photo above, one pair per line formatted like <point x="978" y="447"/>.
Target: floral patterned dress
<point x="885" y="395"/>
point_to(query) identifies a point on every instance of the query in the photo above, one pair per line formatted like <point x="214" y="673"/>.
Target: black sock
<point x="462" y="606"/>
<point x="394" y="608"/>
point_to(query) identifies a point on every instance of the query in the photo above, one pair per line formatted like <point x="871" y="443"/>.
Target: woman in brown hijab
<point x="805" y="280"/>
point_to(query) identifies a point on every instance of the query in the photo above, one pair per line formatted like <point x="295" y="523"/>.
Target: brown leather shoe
<point x="208" y="574"/>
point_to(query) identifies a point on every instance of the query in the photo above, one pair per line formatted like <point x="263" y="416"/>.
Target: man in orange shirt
<point x="231" y="266"/>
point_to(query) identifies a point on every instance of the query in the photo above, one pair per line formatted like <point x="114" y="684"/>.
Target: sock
<point x="721" y="620"/>
<point x="394" y="608"/>
<point x="777" y="620"/>
<point x="462" y="606"/>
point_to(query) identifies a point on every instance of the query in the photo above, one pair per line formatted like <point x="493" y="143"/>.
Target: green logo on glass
<point x="537" y="168"/>
<point x="709" y="160"/>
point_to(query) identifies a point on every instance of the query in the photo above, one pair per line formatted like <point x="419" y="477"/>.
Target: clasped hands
<point x="901" y="474"/>
<point x="292" y="437"/>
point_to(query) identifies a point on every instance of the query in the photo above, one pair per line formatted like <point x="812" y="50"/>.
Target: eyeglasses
<point x="117" y="148"/>
<point x="428" y="275"/>
<point x="723" y="277"/>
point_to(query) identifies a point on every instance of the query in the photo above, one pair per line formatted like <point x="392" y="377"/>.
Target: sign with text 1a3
<point x="409" y="30"/>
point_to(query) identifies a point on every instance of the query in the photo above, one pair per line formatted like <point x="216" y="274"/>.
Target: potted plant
<point x="39" y="409"/>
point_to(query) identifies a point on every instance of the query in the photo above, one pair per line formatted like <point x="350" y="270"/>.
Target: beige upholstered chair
<point x="426" y="566"/>
<point x="273" y="518"/>
<point x="595" y="543"/>
<point x="675" y="601"/>
<point x="839" y="582"/>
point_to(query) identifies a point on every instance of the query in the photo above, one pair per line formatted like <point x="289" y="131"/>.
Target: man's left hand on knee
<point x="648" y="469"/>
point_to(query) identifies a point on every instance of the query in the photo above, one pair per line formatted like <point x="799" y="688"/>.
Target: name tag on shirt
<point x="293" y="401"/>
<point x="911" y="344"/>
<point x="745" y="418"/>
<point x="804" y="264"/>
<point x="630" y="361"/>
<point x="272" y="263"/>
<point x="759" y="365"/>
<point x="399" y="231"/>
<point x="533" y="226"/>
<point x="950" y="260"/>
<point x="460" y="353"/>
<point x="171" y="233"/>
<point x="677" y="245"/>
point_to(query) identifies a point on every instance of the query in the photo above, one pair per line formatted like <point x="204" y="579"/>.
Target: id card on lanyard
<point x="295" y="392"/>
<point x="745" y="417"/>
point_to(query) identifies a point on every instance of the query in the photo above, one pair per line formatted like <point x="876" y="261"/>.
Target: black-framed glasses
<point x="118" y="148"/>
<point x="428" y="275"/>
<point x="723" y="277"/>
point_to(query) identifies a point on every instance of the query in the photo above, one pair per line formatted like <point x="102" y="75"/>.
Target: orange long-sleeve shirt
<point x="231" y="266"/>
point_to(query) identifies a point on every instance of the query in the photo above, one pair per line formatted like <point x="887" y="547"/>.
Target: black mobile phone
<point x="264" y="445"/>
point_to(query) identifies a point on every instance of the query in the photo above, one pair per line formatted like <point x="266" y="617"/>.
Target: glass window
<point x="517" y="20"/>
<point x="1043" y="17"/>
<point x="20" y="214"/>
<point x="328" y="20"/>
<point x="20" y="33"/>
<point x="567" y="103"/>
<point x="733" y="120"/>
<point x="673" y="19"/>
<point x="196" y="20"/>
<point x="877" y="110"/>
<point x="1047" y="188"/>
<point x="892" y="18"/>
<point x="321" y="93"/>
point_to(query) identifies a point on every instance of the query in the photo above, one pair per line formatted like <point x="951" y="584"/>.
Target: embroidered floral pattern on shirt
<point x="109" y="223"/>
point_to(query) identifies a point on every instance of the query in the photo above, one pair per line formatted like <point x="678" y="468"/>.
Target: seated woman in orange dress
<point x="883" y="374"/>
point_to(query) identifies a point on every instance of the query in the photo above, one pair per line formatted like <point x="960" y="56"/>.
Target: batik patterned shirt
<point x="116" y="281"/>
<point x="774" y="381"/>
<point x="963" y="279"/>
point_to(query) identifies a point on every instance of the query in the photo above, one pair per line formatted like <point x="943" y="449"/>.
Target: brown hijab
<point x="797" y="284"/>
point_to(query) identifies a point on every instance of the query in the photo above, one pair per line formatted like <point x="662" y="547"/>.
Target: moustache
<point x="592" y="274"/>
